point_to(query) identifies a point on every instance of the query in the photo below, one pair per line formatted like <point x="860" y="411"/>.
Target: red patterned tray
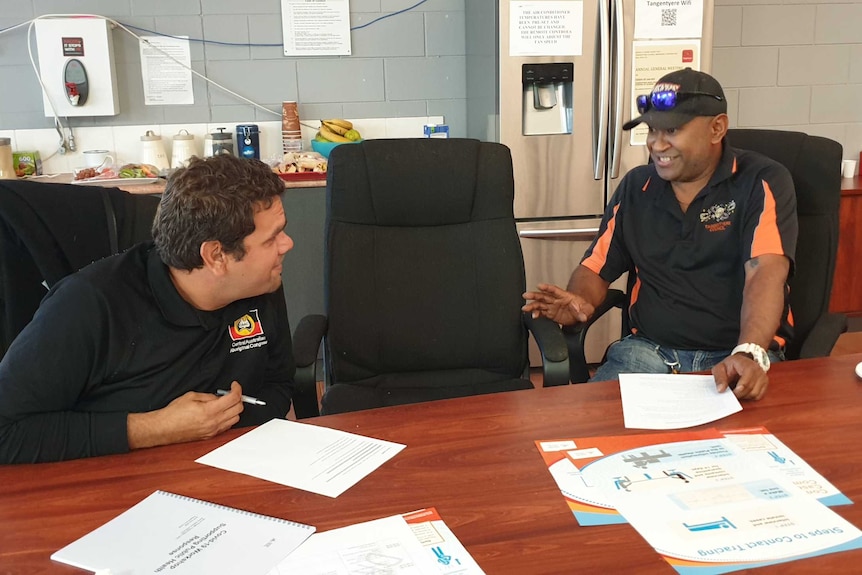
<point x="303" y="177"/>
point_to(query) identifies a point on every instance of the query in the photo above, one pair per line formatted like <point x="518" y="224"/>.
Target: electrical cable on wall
<point x="68" y="143"/>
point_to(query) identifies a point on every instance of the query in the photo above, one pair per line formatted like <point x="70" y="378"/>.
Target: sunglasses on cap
<point x="665" y="100"/>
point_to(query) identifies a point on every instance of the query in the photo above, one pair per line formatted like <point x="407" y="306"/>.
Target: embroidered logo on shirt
<point x="716" y="218"/>
<point x="246" y="332"/>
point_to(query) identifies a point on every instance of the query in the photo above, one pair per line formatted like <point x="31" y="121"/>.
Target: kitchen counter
<point x="159" y="186"/>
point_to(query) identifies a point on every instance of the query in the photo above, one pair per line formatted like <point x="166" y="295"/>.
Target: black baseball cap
<point x="696" y="94"/>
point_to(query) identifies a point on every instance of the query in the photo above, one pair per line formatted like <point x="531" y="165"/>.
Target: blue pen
<point x="245" y="398"/>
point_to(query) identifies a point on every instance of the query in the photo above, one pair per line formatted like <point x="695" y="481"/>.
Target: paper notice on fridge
<point x="673" y="401"/>
<point x="662" y="19"/>
<point x="650" y="61"/>
<point x="546" y="28"/>
<point x="317" y="459"/>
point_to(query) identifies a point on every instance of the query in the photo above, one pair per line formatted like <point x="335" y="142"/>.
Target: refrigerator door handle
<point x="576" y="233"/>
<point x="600" y="107"/>
<point x="619" y="36"/>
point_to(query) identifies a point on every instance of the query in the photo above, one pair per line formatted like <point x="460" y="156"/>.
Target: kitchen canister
<point x="7" y="167"/>
<point x="153" y="151"/>
<point x="183" y="149"/>
<point x="248" y="141"/>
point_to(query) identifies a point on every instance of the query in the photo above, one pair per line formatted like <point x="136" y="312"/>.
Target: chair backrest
<point x="814" y="163"/>
<point x="48" y="231"/>
<point x="423" y="271"/>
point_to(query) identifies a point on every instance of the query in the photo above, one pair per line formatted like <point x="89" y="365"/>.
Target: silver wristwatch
<point x="756" y="352"/>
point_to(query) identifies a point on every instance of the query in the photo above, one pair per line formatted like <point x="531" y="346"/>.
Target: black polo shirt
<point x="688" y="267"/>
<point x="117" y="338"/>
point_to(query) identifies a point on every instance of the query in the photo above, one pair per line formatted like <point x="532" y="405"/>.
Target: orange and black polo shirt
<point x="687" y="268"/>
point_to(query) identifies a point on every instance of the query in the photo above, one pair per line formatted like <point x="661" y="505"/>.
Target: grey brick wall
<point x="412" y="64"/>
<point x="792" y="65"/>
<point x="789" y="64"/>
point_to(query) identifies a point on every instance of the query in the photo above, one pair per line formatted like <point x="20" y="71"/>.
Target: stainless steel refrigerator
<point x="562" y="114"/>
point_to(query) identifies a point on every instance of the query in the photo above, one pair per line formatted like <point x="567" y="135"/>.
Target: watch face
<point x="756" y="353"/>
<point x="761" y="358"/>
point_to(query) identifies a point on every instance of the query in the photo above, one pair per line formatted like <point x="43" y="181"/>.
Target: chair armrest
<point x="822" y="337"/>
<point x="576" y="335"/>
<point x="306" y="343"/>
<point x="552" y="345"/>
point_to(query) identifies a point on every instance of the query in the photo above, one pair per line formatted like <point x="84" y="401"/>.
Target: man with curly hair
<point x="157" y="345"/>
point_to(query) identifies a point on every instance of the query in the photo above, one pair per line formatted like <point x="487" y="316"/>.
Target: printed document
<point x="309" y="457"/>
<point x="417" y="543"/>
<point x="709" y="505"/>
<point x="588" y="470"/>
<point x="673" y="401"/>
<point x="169" y="533"/>
<point x="748" y="520"/>
<point x="439" y="542"/>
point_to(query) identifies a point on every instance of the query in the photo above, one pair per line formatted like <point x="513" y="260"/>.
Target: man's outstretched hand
<point x="557" y="304"/>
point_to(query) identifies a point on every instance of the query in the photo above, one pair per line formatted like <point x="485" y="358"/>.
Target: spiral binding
<point x="233" y="509"/>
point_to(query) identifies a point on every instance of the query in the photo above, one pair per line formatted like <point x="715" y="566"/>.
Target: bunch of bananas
<point x="337" y="130"/>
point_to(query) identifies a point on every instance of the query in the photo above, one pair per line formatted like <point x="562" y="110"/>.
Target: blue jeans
<point x="637" y="354"/>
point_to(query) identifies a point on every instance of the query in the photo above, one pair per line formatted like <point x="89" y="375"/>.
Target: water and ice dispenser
<point x="547" y="98"/>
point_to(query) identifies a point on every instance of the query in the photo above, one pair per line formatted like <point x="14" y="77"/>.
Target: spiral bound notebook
<point x="170" y="533"/>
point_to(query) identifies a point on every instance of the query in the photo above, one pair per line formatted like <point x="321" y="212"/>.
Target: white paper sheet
<point x="668" y="19"/>
<point x="319" y="28"/>
<point x="752" y="519"/>
<point x="166" y="69"/>
<point x="440" y="543"/>
<point x="771" y="452"/>
<point x="381" y="546"/>
<point x="546" y="28"/>
<point x="317" y="459"/>
<point x="170" y="533"/>
<point x="673" y="401"/>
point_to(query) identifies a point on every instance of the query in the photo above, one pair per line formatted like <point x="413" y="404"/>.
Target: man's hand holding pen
<point x="190" y="417"/>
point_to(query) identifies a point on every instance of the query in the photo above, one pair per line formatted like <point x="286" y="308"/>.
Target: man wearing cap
<point x="708" y="235"/>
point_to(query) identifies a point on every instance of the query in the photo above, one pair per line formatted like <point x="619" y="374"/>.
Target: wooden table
<point x="848" y="343"/>
<point x="472" y="458"/>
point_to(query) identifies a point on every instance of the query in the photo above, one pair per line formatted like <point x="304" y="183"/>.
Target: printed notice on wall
<point x="550" y="28"/>
<point x="660" y="19"/>
<point x="650" y="61"/>
<point x="319" y="28"/>
<point x="166" y="70"/>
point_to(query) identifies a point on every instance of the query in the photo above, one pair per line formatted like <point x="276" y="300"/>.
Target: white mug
<point x="97" y="158"/>
<point x="848" y="168"/>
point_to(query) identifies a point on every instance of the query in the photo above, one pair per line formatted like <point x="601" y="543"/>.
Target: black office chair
<point x="48" y="231"/>
<point x="814" y="163"/>
<point x="423" y="277"/>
